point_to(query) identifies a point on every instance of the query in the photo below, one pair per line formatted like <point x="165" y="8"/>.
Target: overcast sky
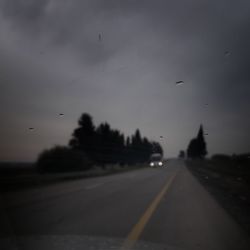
<point x="52" y="61"/>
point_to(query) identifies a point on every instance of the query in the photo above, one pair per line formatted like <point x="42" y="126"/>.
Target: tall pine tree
<point x="201" y="144"/>
<point x="197" y="146"/>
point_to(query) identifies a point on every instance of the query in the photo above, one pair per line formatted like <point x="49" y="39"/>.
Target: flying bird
<point x="227" y="53"/>
<point x="31" y="128"/>
<point x="61" y="114"/>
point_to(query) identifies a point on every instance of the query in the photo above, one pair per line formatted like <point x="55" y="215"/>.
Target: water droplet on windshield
<point x="179" y="82"/>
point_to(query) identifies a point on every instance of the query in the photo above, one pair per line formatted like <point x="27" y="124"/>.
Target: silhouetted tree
<point x="137" y="147"/>
<point x="197" y="146"/>
<point x="102" y="145"/>
<point x="121" y="148"/>
<point x="105" y="145"/>
<point x="156" y="148"/>
<point x="127" y="142"/>
<point x="84" y="137"/>
<point x="201" y="143"/>
<point x="111" y="145"/>
<point x="192" y="151"/>
<point x="128" y="151"/>
<point x="182" y="154"/>
<point x="103" y="133"/>
<point x="117" y="145"/>
<point x="147" y="149"/>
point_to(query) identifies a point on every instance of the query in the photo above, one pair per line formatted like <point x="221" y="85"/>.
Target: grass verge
<point x="14" y="181"/>
<point x="229" y="184"/>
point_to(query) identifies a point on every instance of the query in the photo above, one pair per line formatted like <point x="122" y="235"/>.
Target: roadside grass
<point x="229" y="183"/>
<point x="15" y="178"/>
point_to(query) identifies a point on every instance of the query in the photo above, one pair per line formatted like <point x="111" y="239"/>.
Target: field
<point x="228" y="180"/>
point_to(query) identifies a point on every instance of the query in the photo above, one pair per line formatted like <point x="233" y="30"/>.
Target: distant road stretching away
<point x="166" y="206"/>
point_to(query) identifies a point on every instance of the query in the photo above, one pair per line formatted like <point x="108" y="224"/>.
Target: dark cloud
<point x="128" y="78"/>
<point x="25" y="14"/>
<point x="59" y="24"/>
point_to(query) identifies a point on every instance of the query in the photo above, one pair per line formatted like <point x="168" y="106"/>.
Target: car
<point x="156" y="160"/>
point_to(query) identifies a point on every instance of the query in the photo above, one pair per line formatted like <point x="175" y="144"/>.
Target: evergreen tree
<point x="156" y="148"/>
<point x="104" y="145"/>
<point x="181" y="154"/>
<point x="197" y="146"/>
<point x="147" y="149"/>
<point x="192" y="151"/>
<point x="127" y="142"/>
<point x="83" y="137"/>
<point x="137" y="147"/>
<point x="104" y="148"/>
<point x="128" y="153"/>
<point x="137" y="138"/>
<point x="201" y="143"/>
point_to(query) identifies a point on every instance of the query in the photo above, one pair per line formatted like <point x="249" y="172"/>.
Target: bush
<point x="62" y="159"/>
<point x="242" y="158"/>
<point x="221" y="157"/>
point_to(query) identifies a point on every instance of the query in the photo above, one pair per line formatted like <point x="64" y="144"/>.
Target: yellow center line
<point x="137" y="230"/>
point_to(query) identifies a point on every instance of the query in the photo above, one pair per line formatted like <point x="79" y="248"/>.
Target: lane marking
<point x="137" y="230"/>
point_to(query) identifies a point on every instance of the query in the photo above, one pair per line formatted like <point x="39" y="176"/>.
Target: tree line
<point x="105" y="145"/>
<point x="97" y="145"/>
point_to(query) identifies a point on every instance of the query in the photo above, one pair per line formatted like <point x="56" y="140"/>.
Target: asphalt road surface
<point x="151" y="208"/>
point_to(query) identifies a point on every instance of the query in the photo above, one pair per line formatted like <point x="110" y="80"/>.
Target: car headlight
<point x="160" y="163"/>
<point x="151" y="164"/>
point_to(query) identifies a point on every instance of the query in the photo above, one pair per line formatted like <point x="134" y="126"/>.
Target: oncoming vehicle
<point x="156" y="160"/>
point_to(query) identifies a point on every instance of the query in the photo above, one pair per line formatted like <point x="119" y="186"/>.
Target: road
<point x="159" y="208"/>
